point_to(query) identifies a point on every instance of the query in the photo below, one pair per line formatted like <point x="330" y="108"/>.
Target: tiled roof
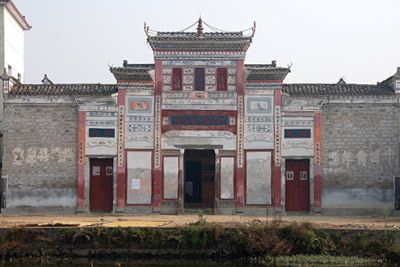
<point x="133" y="72"/>
<point x="191" y="41"/>
<point x="338" y="89"/>
<point x="265" y="72"/>
<point x="64" y="89"/>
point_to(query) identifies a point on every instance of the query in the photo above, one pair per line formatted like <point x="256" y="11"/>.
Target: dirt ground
<point x="7" y="221"/>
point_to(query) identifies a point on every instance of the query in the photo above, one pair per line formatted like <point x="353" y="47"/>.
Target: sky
<point x="75" y="41"/>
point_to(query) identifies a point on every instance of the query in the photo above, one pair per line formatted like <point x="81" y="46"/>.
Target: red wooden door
<point x="101" y="184"/>
<point x="297" y="185"/>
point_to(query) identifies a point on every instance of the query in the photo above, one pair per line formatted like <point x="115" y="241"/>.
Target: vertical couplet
<point x="157" y="170"/>
<point x="121" y="158"/>
<point x="277" y="159"/>
<point x="317" y="160"/>
<point x="81" y="160"/>
<point x="239" y="188"/>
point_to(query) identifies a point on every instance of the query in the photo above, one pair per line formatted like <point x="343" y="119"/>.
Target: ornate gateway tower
<point x="199" y="128"/>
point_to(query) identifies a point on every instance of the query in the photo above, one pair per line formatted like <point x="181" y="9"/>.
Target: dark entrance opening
<point x="297" y="196"/>
<point x="199" y="179"/>
<point x="101" y="184"/>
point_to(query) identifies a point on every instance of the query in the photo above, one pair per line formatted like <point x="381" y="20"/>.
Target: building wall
<point x="360" y="157"/>
<point x="40" y="157"/>
<point x="13" y="45"/>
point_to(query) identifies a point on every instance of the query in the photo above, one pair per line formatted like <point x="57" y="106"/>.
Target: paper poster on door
<point x="135" y="184"/>
<point x="96" y="171"/>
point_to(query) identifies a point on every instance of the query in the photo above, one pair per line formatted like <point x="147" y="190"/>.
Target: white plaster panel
<point x="139" y="119"/>
<point x="188" y="79"/>
<point x="188" y="88"/>
<point x="231" y="79"/>
<point x="210" y="79"/>
<point x="187" y="71"/>
<point x="167" y="79"/>
<point x="227" y="177"/>
<point x="258" y="178"/>
<point x="302" y="104"/>
<point x="171" y="175"/>
<point x="211" y="88"/>
<point x="167" y="71"/>
<point x="139" y="177"/>
<point x="231" y="71"/>
<point x="258" y="125"/>
<point x="171" y="139"/>
<point x="210" y="70"/>
<point x="298" y="146"/>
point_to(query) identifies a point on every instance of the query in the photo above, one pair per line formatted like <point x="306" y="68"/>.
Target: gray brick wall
<point x="40" y="150"/>
<point x="360" y="156"/>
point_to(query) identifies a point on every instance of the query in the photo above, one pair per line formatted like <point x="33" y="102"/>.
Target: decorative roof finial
<point x="200" y="28"/>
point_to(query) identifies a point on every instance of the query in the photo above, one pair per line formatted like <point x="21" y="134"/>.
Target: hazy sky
<point x="76" y="40"/>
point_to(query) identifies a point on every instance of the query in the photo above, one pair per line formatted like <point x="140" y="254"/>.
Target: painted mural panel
<point x="173" y="139"/>
<point x="171" y="177"/>
<point x="258" y="178"/>
<point x="139" y="177"/>
<point x="139" y="122"/>
<point x="227" y="177"/>
<point x="297" y="136"/>
<point x="258" y="124"/>
<point x="101" y="133"/>
<point x="199" y="100"/>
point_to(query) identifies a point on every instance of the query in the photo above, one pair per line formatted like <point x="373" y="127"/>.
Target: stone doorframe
<point x="87" y="181"/>
<point x="283" y="182"/>
<point x="181" y="199"/>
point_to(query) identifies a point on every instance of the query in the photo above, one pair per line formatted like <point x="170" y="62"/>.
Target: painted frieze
<point x="101" y="133"/>
<point x="258" y="122"/>
<point x="199" y="100"/>
<point x="297" y="136"/>
<point x="139" y="122"/>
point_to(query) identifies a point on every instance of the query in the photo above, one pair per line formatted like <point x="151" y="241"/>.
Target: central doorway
<point x="101" y="185"/>
<point x="297" y="185"/>
<point x="199" y="179"/>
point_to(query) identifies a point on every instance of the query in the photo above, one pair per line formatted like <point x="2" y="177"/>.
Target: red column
<point x="121" y="154"/>
<point x="317" y="160"/>
<point x="277" y="193"/>
<point x="157" y="164"/>
<point x="240" y="163"/>
<point x="81" y="160"/>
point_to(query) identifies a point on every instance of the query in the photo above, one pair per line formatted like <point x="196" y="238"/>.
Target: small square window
<point x="289" y="175"/>
<point x="222" y="79"/>
<point x="199" y="81"/>
<point x="109" y="170"/>
<point x="176" y="82"/>
<point x="397" y="85"/>
<point x="303" y="176"/>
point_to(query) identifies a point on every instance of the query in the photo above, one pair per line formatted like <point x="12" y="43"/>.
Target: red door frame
<point x="297" y="185"/>
<point x="102" y="185"/>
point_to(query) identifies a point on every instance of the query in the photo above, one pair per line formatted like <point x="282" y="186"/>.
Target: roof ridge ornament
<point x="200" y="29"/>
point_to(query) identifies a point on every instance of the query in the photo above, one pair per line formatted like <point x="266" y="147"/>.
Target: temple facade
<point x="199" y="129"/>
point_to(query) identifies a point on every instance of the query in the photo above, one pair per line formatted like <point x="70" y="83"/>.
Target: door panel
<point x="199" y="179"/>
<point x="101" y="184"/>
<point x="297" y="194"/>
